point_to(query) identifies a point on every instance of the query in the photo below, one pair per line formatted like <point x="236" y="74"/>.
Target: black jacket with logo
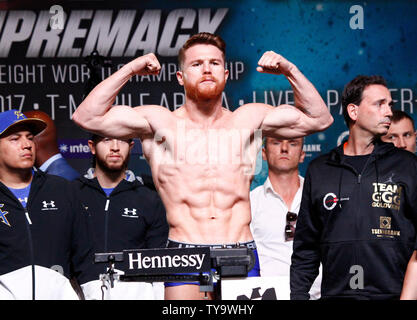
<point x="360" y="226"/>
<point x="131" y="217"/>
<point x="51" y="234"/>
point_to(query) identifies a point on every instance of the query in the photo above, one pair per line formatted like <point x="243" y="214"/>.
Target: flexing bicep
<point x="123" y="122"/>
<point x="126" y="122"/>
<point x="284" y="121"/>
<point x="287" y="122"/>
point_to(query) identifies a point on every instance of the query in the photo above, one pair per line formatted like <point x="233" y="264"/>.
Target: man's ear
<point x="226" y="73"/>
<point x="180" y="78"/>
<point x="264" y="154"/>
<point x="92" y="146"/>
<point x="353" y="110"/>
<point x="131" y="144"/>
<point x="302" y="156"/>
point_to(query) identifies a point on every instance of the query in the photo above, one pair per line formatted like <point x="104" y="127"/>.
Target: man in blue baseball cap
<point x="18" y="151"/>
<point x="43" y="227"/>
<point x="10" y="119"/>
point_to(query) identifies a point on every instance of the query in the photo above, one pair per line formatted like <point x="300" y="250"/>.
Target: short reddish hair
<point x="202" y="38"/>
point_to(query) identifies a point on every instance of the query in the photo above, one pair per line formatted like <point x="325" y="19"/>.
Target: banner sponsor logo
<point x="115" y="33"/>
<point x="74" y="148"/>
<point x="78" y="148"/>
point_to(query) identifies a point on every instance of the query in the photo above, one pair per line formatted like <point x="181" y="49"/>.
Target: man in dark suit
<point x="48" y="158"/>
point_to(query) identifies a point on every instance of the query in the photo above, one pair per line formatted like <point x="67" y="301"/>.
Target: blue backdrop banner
<point x="46" y="62"/>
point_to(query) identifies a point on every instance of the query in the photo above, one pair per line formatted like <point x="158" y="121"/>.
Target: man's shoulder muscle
<point x="251" y="114"/>
<point x="158" y="118"/>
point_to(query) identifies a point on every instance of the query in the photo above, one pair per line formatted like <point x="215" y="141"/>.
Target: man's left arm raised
<point x="309" y="113"/>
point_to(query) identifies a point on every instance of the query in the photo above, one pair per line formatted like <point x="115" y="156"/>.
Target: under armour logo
<point x="3" y="216"/>
<point x="130" y="213"/>
<point x="47" y="204"/>
<point x="23" y="201"/>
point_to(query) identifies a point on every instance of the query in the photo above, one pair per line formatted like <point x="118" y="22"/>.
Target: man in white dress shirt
<point x="274" y="207"/>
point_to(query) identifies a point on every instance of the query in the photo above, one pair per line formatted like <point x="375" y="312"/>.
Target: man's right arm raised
<point x="97" y="115"/>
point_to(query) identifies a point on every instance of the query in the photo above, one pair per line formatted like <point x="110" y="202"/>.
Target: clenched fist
<point x="145" y="65"/>
<point x="274" y="63"/>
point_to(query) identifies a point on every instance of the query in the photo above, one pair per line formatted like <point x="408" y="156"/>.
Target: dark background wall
<point x="330" y="41"/>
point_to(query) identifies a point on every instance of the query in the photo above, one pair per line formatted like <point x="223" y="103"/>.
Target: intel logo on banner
<point x="78" y="148"/>
<point x="74" y="148"/>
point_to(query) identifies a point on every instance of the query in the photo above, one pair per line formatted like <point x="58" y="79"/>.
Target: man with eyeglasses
<point x="358" y="210"/>
<point x="274" y="208"/>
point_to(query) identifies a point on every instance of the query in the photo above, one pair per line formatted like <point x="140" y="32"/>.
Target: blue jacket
<point x="60" y="167"/>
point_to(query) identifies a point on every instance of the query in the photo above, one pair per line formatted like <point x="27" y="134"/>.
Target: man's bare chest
<point x="221" y="144"/>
